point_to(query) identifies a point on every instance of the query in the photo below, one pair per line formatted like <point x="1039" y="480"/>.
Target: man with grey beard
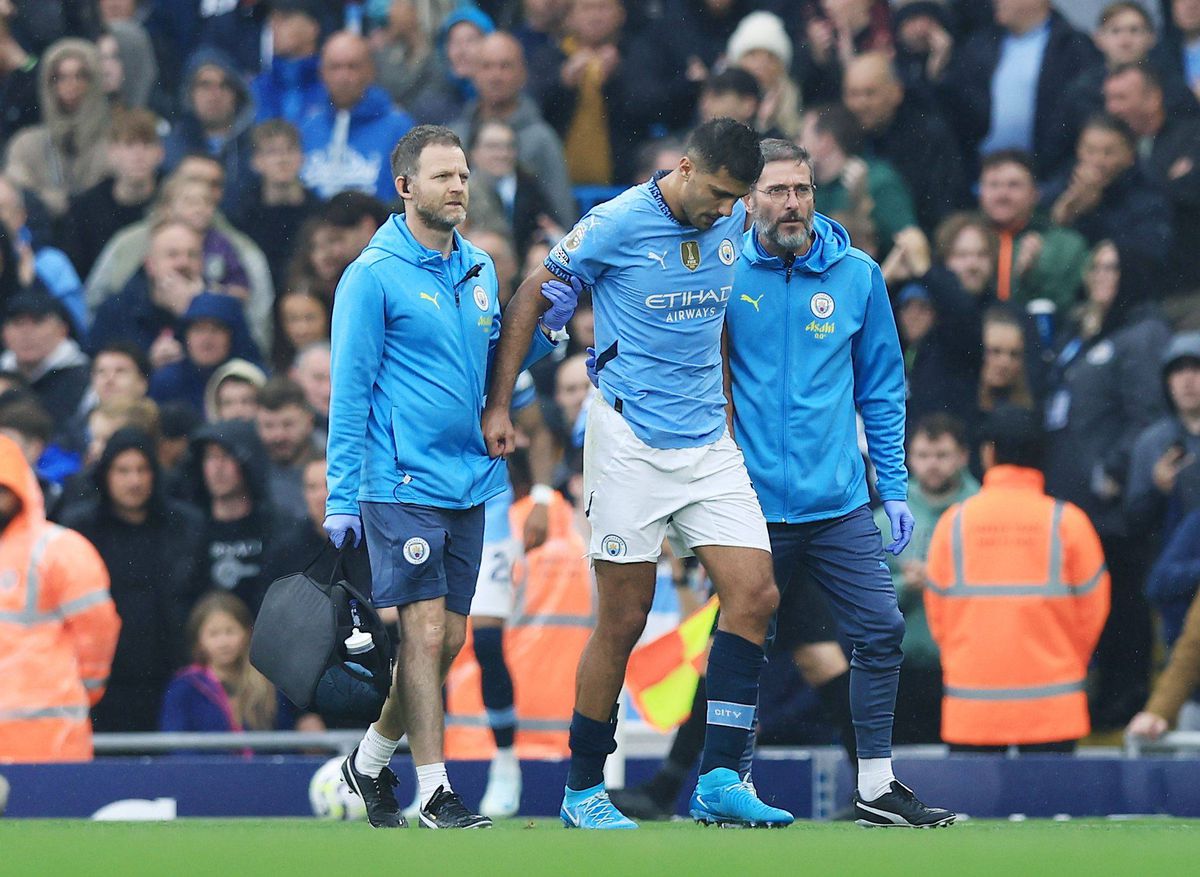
<point x="810" y="342"/>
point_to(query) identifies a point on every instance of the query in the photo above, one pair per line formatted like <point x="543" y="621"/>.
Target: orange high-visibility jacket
<point x="553" y="616"/>
<point x="58" y="628"/>
<point x="1017" y="598"/>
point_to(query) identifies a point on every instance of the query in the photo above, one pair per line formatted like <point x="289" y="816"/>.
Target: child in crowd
<point x="220" y="691"/>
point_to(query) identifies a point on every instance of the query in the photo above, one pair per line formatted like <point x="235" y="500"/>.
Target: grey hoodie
<point x="66" y="154"/>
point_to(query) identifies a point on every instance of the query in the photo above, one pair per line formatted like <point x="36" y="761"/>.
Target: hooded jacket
<point x="153" y="568"/>
<point x="58" y="628"/>
<point x="290" y="89"/>
<point x="234" y="552"/>
<point x="412" y="342"/>
<point x="187" y="136"/>
<point x="66" y="154"/>
<point x="234" y="368"/>
<point x="350" y="149"/>
<point x="447" y="94"/>
<point x="60" y="380"/>
<point x="184" y="380"/>
<point x="808" y="344"/>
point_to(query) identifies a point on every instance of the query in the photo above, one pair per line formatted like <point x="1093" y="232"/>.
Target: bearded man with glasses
<point x="810" y="342"/>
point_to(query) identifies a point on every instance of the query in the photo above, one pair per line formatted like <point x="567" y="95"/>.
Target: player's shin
<point x="734" y="666"/>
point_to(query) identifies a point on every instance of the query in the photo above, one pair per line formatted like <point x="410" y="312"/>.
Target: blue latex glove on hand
<point x="590" y="363"/>
<point x="338" y="527"/>
<point x="562" y="298"/>
<point x="902" y="524"/>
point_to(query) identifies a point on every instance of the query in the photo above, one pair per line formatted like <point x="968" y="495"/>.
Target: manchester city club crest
<point x="689" y="254"/>
<point x="614" y="546"/>
<point x="821" y="304"/>
<point x="416" y="551"/>
<point x="726" y="253"/>
<point x="481" y="298"/>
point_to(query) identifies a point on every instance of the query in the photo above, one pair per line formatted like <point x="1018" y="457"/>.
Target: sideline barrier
<point x="812" y="783"/>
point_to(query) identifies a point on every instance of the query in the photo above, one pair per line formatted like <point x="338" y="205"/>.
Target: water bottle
<point x="359" y="643"/>
<point x="354" y="17"/>
<point x="1043" y="312"/>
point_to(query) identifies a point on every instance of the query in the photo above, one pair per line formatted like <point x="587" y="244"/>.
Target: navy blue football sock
<point x="496" y="682"/>
<point x="591" y="744"/>
<point x="873" y="705"/>
<point x="734" y="665"/>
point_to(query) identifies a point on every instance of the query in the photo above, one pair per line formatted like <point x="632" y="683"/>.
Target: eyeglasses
<point x="779" y="194"/>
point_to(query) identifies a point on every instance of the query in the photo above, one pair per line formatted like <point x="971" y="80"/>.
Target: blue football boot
<point x="722" y="798"/>
<point x="592" y="809"/>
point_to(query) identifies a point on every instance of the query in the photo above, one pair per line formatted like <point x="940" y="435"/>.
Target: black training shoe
<point x="446" y="810"/>
<point x="899" y="808"/>
<point x="638" y="803"/>
<point x="376" y="792"/>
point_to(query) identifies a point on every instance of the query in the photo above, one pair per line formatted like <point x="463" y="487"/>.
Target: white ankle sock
<point x="374" y="753"/>
<point x="874" y="777"/>
<point x="429" y="778"/>
<point x="506" y="756"/>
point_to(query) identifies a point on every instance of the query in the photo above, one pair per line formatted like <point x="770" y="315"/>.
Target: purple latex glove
<point x="902" y="524"/>
<point x="338" y="527"/>
<point x="563" y="298"/>
<point x="590" y="363"/>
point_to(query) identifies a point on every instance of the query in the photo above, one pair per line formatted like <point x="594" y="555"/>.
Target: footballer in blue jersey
<point x="658" y="458"/>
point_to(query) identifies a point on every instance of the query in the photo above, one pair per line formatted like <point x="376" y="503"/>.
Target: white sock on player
<point x="374" y="753"/>
<point x="874" y="777"/>
<point x="429" y="778"/>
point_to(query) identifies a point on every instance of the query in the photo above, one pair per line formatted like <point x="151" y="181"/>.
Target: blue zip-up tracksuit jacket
<point x="412" y="347"/>
<point x="808" y="345"/>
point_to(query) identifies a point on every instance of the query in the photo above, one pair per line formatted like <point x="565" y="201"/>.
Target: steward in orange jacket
<point x="1019" y="594"/>
<point x="58" y="626"/>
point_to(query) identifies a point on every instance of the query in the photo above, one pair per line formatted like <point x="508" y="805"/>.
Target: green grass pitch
<point x="288" y="847"/>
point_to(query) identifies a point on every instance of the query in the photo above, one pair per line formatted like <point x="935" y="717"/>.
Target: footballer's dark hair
<point x="723" y="144"/>
<point x="408" y="149"/>
<point x="778" y="149"/>
<point x="733" y="80"/>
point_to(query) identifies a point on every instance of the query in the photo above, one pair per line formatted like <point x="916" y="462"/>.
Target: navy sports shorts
<point x="422" y="553"/>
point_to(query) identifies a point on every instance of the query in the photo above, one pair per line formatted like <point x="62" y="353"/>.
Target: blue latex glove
<point x="340" y="526"/>
<point x="590" y="364"/>
<point x="902" y="524"/>
<point x="563" y="298"/>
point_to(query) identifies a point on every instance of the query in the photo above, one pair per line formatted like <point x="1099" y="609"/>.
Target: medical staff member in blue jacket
<point x="811" y="341"/>
<point x="415" y="321"/>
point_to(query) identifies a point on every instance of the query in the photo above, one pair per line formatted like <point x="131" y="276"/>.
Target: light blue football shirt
<point x="659" y="292"/>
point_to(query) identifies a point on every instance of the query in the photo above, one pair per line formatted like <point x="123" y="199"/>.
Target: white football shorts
<point x="636" y="495"/>
<point x="494" y="588"/>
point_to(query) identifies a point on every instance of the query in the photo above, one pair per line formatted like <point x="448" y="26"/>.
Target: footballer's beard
<point x="788" y="242"/>
<point x="442" y="219"/>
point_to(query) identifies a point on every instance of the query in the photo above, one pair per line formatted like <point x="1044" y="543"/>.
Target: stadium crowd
<point x="184" y="182"/>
